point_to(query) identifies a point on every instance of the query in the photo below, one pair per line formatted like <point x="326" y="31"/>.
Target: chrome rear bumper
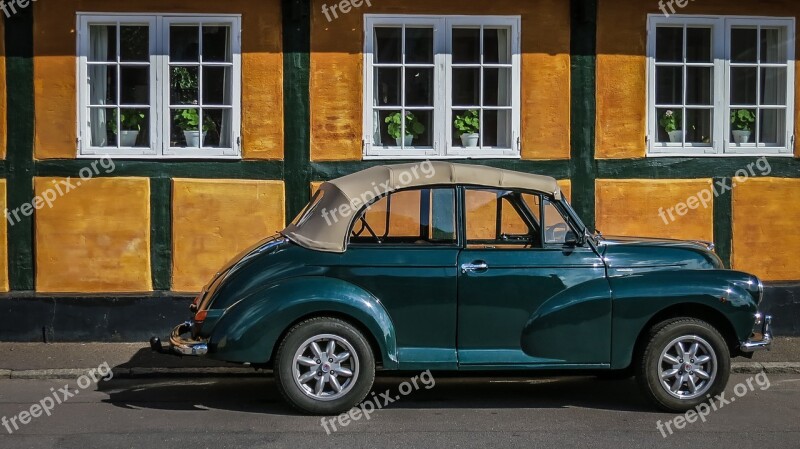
<point x="179" y="345"/>
<point x="761" y="338"/>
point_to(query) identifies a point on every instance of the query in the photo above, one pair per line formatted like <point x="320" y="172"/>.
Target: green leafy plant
<point x="743" y="119"/>
<point x="129" y="120"/>
<point x="468" y="123"/>
<point x="189" y="119"/>
<point x="670" y="121"/>
<point x="413" y="125"/>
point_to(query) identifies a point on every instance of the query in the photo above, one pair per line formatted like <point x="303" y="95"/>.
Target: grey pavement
<point x="455" y="413"/>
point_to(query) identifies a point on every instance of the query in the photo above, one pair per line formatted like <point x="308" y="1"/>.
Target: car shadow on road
<point x="258" y="394"/>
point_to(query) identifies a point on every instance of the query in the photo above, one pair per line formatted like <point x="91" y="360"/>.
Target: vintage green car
<point x="440" y="266"/>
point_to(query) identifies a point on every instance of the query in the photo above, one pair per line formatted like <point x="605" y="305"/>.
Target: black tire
<point x="650" y="366"/>
<point x="361" y="364"/>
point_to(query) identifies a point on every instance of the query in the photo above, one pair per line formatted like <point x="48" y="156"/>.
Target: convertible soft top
<point x="324" y="225"/>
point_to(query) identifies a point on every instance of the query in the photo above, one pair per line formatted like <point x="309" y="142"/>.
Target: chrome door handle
<point x="474" y="267"/>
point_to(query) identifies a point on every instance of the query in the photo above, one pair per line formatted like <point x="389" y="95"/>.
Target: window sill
<point x="384" y="157"/>
<point x="712" y="155"/>
<point x="154" y="157"/>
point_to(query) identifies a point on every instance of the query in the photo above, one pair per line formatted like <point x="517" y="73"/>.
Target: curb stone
<point x="5" y="374"/>
<point x="767" y="367"/>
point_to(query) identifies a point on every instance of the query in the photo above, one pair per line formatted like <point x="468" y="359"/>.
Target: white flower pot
<point x="675" y="136"/>
<point x="741" y="137"/>
<point x="128" y="138"/>
<point x="470" y="140"/>
<point x="193" y="138"/>
<point x="409" y="139"/>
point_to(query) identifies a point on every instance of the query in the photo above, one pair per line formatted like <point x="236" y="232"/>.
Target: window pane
<point x="773" y="127"/>
<point x="184" y="43"/>
<point x="102" y="43"/>
<point x="404" y="214"/>
<point x="443" y="216"/>
<point x="102" y="84"/>
<point x="134" y="85"/>
<point x="103" y="126"/>
<point x="743" y="125"/>
<point x="699" y="126"/>
<point x="773" y="85"/>
<point x="185" y="128"/>
<point x="496" y="46"/>
<point x="497" y="87"/>
<point x="496" y="129"/>
<point x="466" y="45"/>
<point x="387" y="127"/>
<point x="670" y="125"/>
<point x="556" y="228"/>
<point x="216" y="44"/>
<point x="510" y="220"/>
<point x="699" y="86"/>
<point x="217" y="127"/>
<point x="743" y="85"/>
<point x="184" y="85"/>
<point x="669" y="44"/>
<point x="217" y="85"/>
<point x="773" y="46"/>
<point x="481" y="214"/>
<point x="419" y="86"/>
<point x="466" y="87"/>
<point x="743" y="45"/>
<point x="387" y="86"/>
<point x="134" y="126"/>
<point x="419" y="46"/>
<point x="388" y="45"/>
<point x="134" y="43"/>
<point x="698" y="45"/>
<point x="669" y="85"/>
<point x="420" y="127"/>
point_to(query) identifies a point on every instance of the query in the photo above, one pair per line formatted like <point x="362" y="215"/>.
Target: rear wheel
<point x="324" y="366"/>
<point x="684" y="362"/>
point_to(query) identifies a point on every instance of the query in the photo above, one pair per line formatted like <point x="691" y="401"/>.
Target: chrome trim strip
<point x="762" y="340"/>
<point x="186" y="347"/>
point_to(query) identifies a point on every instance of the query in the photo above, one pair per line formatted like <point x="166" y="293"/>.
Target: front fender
<point x="249" y="329"/>
<point x="639" y="298"/>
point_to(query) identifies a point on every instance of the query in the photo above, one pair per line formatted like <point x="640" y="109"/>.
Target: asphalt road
<point x="456" y="412"/>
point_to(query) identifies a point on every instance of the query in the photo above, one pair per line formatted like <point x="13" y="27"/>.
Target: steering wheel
<point x="556" y="233"/>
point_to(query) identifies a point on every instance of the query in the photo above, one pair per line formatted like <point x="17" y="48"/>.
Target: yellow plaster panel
<point x="764" y="216"/>
<point x="55" y="91"/>
<point x="214" y="220"/>
<point x="95" y="237"/>
<point x="337" y="73"/>
<point x="642" y="207"/>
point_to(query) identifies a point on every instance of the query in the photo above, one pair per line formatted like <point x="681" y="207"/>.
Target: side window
<point x="555" y="226"/>
<point x="414" y="217"/>
<point x="497" y="219"/>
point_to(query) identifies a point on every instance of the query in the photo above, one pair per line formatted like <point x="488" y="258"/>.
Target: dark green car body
<point x="582" y="306"/>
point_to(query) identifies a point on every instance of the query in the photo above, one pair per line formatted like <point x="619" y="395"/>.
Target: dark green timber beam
<point x="583" y="57"/>
<point x="19" y="159"/>
<point x="296" y="103"/>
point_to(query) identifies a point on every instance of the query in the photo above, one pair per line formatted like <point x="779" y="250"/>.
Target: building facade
<point x="145" y="143"/>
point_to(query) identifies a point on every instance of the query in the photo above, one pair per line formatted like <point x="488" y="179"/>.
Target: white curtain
<point x="503" y="90"/>
<point x="98" y="78"/>
<point x="225" y="126"/>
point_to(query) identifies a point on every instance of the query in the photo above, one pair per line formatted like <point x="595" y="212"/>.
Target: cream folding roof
<point x="325" y="224"/>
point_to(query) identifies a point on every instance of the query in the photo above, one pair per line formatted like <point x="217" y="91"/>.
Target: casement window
<point x="441" y="86"/>
<point x="159" y="86"/>
<point x="720" y="86"/>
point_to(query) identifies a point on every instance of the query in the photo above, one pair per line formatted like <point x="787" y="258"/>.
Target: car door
<point x="525" y="296"/>
<point x="403" y="250"/>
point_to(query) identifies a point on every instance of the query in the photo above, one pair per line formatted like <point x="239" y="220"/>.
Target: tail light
<point x="200" y="316"/>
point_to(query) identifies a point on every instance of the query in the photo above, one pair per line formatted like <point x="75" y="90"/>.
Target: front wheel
<point x="324" y="366"/>
<point x="684" y="363"/>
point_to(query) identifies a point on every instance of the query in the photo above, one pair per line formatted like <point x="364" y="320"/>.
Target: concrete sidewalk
<point x="69" y="360"/>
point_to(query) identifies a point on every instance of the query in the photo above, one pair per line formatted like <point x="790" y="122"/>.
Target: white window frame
<point x="443" y="147"/>
<point x="159" y="86"/>
<point x="720" y="31"/>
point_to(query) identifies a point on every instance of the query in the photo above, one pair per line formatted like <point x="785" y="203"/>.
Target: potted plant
<point x="131" y="124"/>
<point x="671" y="123"/>
<point x="413" y="128"/>
<point x="742" y="121"/>
<point x="188" y="120"/>
<point x="468" y="125"/>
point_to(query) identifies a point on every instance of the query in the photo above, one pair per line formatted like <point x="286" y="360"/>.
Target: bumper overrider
<point x="761" y="337"/>
<point x="180" y="345"/>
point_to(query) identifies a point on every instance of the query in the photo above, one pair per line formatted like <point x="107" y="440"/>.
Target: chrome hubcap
<point x="688" y="367"/>
<point x="325" y="367"/>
